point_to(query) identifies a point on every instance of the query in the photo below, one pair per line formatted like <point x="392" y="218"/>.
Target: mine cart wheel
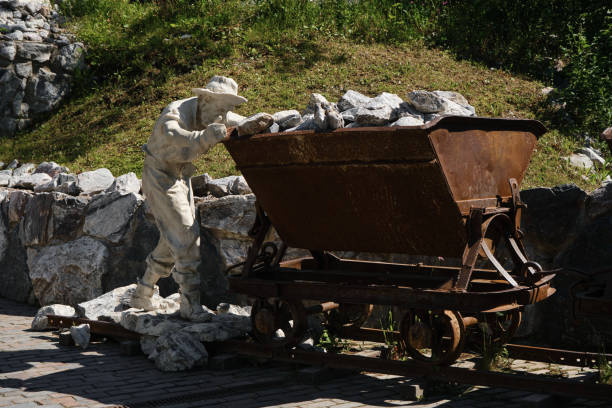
<point x="278" y="322"/>
<point x="349" y="315"/>
<point x="502" y="326"/>
<point x="434" y="337"/>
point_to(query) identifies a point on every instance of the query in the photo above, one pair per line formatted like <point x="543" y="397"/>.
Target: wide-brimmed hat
<point x="223" y="88"/>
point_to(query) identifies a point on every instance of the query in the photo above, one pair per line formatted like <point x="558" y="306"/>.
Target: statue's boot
<point x="190" y="305"/>
<point x="142" y="298"/>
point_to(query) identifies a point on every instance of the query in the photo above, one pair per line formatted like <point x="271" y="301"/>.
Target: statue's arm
<point x="191" y="144"/>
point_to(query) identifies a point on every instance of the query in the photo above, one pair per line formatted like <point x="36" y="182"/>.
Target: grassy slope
<point x="107" y="126"/>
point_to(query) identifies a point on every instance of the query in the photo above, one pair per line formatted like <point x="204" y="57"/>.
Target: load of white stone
<point x="172" y="343"/>
<point x="357" y="110"/>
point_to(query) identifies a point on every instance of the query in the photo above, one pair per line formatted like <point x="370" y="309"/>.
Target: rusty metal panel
<point x="391" y="207"/>
<point x="478" y="163"/>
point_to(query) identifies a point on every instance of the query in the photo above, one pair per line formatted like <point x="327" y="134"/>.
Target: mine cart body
<point x="449" y="188"/>
<point x="379" y="189"/>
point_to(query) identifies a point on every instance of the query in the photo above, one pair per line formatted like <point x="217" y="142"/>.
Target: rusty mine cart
<point x="449" y="188"/>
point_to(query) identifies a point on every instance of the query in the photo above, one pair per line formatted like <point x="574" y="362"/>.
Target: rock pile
<point x="66" y="238"/>
<point x="357" y="110"/>
<point x="37" y="62"/>
<point x="173" y="343"/>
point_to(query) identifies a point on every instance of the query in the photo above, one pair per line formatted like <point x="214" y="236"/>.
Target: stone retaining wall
<point x="37" y="62"/>
<point x="68" y="238"/>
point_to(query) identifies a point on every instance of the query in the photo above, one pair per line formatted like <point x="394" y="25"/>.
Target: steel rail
<point x="527" y="382"/>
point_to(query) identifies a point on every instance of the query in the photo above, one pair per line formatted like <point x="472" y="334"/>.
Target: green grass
<point x="278" y="56"/>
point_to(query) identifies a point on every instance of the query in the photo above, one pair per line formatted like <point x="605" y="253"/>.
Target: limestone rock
<point x="229" y="217"/>
<point x="108" y="215"/>
<point x="81" y="335"/>
<point x="8" y="51"/>
<point x="67" y="184"/>
<point x="222" y="186"/>
<point x="373" y="114"/>
<point x="287" y="118"/>
<point x="111" y="302"/>
<point x="453" y="96"/>
<point x="125" y="184"/>
<point x="29" y="181"/>
<point x="580" y="160"/>
<point x="24" y="170"/>
<point x="349" y="115"/>
<point x="199" y="184"/>
<point x="550" y="223"/>
<point x="240" y="186"/>
<point x="24" y="69"/>
<point x="596" y="158"/>
<point x="5" y="178"/>
<point x="179" y="351"/>
<point x="320" y="118"/>
<point x="408" y="121"/>
<point x="17" y="201"/>
<point x="352" y="99"/>
<point x="70" y="57"/>
<point x="430" y="102"/>
<point x="51" y="217"/>
<point x="14" y="273"/>
<point x="255" y="124"/>
<point x="91" y="182"/>
<point x="233" y="119"/>
<point x="13" y="165"/>
<point x="38" y="52"/>
<point x="51" y="168"/>
<point x="315" y="99"/>
<point x="69" y="273"/>
<point x="40" y="321"/>
<point x="151" y="323"/>
<point x="599" y="202"/>
<point x="391" y="100"/>
<point x="274" y="128"/>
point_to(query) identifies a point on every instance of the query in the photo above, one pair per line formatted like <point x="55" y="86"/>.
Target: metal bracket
<point x="470" y="253"/>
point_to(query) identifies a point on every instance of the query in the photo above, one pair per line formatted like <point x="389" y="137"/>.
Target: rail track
<point x="409" y="368"/>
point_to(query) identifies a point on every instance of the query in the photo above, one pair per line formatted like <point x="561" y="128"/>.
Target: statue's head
<point x="214" y="101"/>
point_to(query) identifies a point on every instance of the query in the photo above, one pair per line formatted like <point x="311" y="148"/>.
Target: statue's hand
<point x="216" y="131"/>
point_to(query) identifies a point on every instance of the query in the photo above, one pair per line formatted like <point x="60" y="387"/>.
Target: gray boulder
<point x="34" y="51"/>
<point x="599" y="202"/>
<point x="24" y="170"/>
<point x="373" y="114"/>
<point x="598" y="161"/>
<point x="81" y="335"/>
<point x="108" y="216"/>
<point x="199" y="184"/>
<point x="391" y="100"/>
<point x="125" y="184"/>
<point x="24" y="69"/>
<point x="349" y="115"/>
<point x="222" y="186"/>
<point x="315" y="99"/>
<point x="178" y="352"/>
<point x="70" y="57"/>
<point x="29" y="181"/>
<point x="408" y="121"/>
<point x="352" y="99"/>
<point x="429" y="102"/>
<point x="240" y="186"/>
<point x="5" y="177"/>
<point x="454" y="97"/>
<point x="580" y="160"/>
<point x="255" y="124"/>
<point x="51" y="218"/>
<point x="41" y="322"/>
<point x="229" y="217"/>
<point x="51" y="168"/>
<point x="68" y="273"/>
<point x="287" y="119"/>
<point x="274" y="128"/>
<point x="91" y="182"/>
<point x="8" y="51"/>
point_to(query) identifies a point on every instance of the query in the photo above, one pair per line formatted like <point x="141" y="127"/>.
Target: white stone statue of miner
<point x="186" y="129"/>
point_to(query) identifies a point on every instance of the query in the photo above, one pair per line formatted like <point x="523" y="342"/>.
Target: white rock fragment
<point x="287" y="119"/>
<point x="373" y="114"/>
<point x="408" y="121"/>
<point x="91" y="182"/>
<point x="125" y="184"/>
<point x="580" y="160"/>
<point x="40" y="321"/>
<point x="81" y="335"/>
<point x="352" y="99"/>
<point x="233" y="119"/>
<point x="255" y="124"/>
<point x="598" y="161"/>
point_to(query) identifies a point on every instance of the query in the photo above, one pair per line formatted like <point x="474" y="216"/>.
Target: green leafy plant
<point x="332" y="343"/>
